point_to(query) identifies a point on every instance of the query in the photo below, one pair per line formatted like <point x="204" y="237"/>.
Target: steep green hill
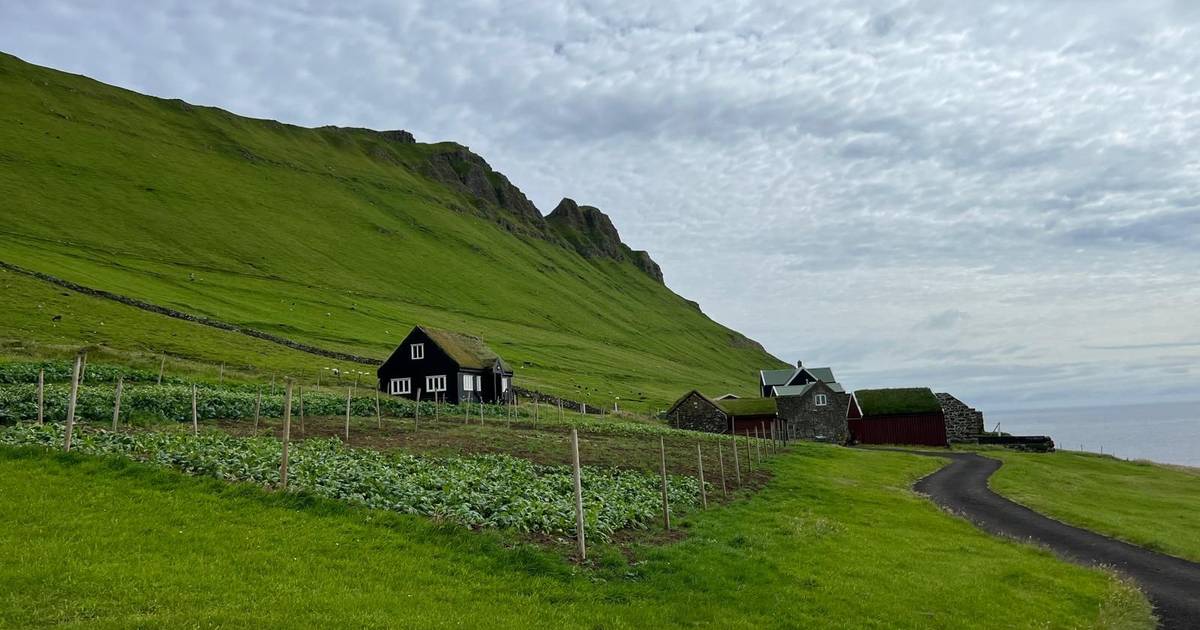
<point x="339" y="238"/>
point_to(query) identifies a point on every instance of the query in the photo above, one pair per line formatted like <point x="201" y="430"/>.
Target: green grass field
<point x="1147" y="504"/>
<point x="328" y="236"/>
<point x="835" y="540"/>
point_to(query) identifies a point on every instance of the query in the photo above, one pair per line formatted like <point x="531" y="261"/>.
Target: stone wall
<point x="806" y="421"/>
<point x="696" y="413"/>
<point x="963" y="423"/>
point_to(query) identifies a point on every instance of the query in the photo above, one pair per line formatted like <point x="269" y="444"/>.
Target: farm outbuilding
<point x="697" y="412"/>
<point x="896" y="416"/>
<point x="453" y="367"/>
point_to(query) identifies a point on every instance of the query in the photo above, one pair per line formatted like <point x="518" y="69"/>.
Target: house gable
<point x="697" y="412"/>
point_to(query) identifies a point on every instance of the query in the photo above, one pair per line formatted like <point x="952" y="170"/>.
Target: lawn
<point x="835" y="539"/>
<point x="1152" y="505"/>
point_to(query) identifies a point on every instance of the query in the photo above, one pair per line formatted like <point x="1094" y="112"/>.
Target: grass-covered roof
<point x="466" y="350"/>
<point x="882" y="402"/>
<point x="748" y="406"/>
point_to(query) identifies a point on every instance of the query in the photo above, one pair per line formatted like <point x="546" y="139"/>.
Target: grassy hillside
<point x="826" y="544"/>
<point x="1147" y="504"/>
<point x="340" y="238"/>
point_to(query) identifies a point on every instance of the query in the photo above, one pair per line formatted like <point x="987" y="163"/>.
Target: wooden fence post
<point x="195" y="421"/>
<point x="749" y="454"/>
<point x="257" y="407"/>
<point x="161" y="364"/>
<point x="721" y="461"/>
<point x="737" y="466"/>
<point x="41" y="397"/>
<point x="758" y="444"/>
<point x="71" y="403"/>
<point x="348" y="392"/>
<point x="117" y="402"/>
<point x="83" y="369"/>
<point x="300" y="394"/>
<point x="560" y="410"/>
<point x="287" y="435"/>
<point x="578" y="480"/>
<point x="378" y="414"/>
<point x="221" y="374"/>
<point x="700" y="467"/>
<point x="662" y="450"/>
<point x="417" y="412"/>
<point x="480" y="410"/>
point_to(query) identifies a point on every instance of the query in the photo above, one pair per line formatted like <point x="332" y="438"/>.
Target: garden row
<point x="484" y="491"/>
<point x="147" y="402"/>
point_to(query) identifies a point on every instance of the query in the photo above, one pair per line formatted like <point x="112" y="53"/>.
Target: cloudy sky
<point x="1000" y="199"/>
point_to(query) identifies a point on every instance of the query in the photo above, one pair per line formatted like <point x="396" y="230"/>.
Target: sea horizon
<point x="1162" y="432"/>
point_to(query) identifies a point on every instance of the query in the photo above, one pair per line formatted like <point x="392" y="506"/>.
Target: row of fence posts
<point x="577" y="478"/>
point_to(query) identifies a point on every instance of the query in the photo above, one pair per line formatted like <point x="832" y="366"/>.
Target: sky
<point x="1000" y="199"/>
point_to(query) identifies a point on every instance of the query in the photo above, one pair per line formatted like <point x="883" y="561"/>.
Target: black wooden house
<point x="451" y="367"/>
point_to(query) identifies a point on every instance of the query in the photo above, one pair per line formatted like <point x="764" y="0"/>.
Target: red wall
<point x="926" y="429"/>
<point x="741" y="425"/>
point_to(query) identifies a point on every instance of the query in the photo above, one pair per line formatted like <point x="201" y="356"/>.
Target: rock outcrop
<point x="466" y="171"/>
<point x="593" y="235"/>
<point x="585" y="229"/>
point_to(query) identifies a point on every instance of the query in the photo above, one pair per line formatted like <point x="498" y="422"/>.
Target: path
<point x="1172" y="584"/>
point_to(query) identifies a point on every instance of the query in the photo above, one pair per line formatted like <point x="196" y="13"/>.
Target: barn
<point x="449" y="366"/>
<point x="697" y="412"/>
<point x="896" y="416"/>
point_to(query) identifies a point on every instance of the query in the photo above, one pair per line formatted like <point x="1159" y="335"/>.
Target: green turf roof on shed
<point x="466" y="350"/>
<point x="882" y="402"/>
<point x="747" y="406"/>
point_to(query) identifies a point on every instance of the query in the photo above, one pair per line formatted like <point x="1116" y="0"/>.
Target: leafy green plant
<point x="485" y="491"/>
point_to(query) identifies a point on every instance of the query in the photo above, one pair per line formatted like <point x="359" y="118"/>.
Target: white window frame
<point x="821" y="400"/>
<point x="478" y="383"/>
<point x="399" y="386"/>
<point x="468" y="383"/>
<point x="435" y="383"/>
<point x="416" y="351"/>
<point x="504" y="384"/>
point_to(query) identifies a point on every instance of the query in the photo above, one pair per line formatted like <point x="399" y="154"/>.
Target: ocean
<point x="1168" y="433"/>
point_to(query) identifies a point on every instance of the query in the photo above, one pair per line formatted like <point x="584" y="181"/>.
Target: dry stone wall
<point x="963" y="423"/>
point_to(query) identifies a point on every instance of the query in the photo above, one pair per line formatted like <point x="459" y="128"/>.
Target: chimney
<point x="799" y="364"/>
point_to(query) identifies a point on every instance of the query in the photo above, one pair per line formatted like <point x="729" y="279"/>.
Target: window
<point x="478" y="383"/>
<point x="400" y="386"/>
<point x="435" y="383"/>
<point x="418" y="350"/>
<point x="821" y="400"/>
<point x="468" y="383"/>
<point x="504" y="384"/>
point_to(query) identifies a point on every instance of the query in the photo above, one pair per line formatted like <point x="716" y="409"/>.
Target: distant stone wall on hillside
<point x="963" y="423"/>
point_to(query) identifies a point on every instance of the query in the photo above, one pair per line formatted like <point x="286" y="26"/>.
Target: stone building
<point x="697" y="412"/>
<point x="963" y="423"/>
<point x="814" y="411"/>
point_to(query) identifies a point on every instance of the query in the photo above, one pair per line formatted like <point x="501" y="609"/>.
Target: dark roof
<point x="737" y="407"/>
<point x="776" y="377"/>
<point x="466" y="350"/>
<point x="793" y="390"/>
<point x="822" y="374"/>
<point x="883" y="402"/>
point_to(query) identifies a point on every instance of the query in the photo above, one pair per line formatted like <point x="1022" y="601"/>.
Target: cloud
<point x="836" y="179"/>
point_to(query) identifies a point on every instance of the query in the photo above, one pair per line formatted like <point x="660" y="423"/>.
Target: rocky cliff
<point x="585" y="229"/>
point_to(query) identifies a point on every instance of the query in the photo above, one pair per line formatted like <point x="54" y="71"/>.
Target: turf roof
<point x="880" y="402"/>
<point x="747" y="406"/>
<point x="466" y="350"/>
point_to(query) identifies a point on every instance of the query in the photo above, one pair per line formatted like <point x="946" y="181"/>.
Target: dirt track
<point x="1171" y="583"/>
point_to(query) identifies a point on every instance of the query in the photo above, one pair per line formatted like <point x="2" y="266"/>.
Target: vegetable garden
<point x="484" y="491"/>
